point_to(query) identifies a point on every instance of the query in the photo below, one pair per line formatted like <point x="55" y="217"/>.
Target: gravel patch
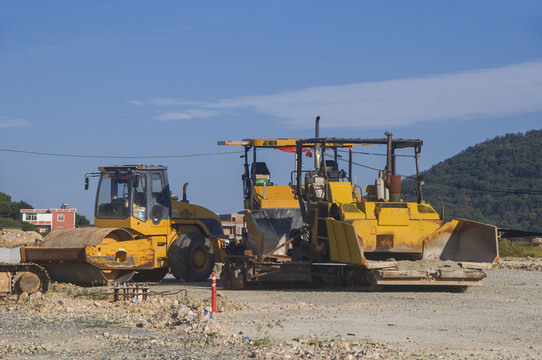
<point x="15" y="238"/>
<point x="497" y="320"/>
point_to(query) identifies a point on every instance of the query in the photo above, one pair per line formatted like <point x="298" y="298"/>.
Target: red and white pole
<point x="213" y="299"/>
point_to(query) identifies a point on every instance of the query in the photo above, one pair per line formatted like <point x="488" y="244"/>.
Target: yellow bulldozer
<point x="140" y="231"/>
<point x="324" y="227"/>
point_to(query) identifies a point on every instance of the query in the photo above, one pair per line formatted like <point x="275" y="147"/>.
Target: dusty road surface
<point x="502" y="319"/>
<point x="499" y="320"/>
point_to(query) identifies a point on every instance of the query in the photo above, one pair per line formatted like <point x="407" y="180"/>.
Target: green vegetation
<point x="508" y="248"/>
<point x="9" y="213"/>
<point x="498" y="182"/>
<point x="261" y="342"/>
<point x="81" y="220"/>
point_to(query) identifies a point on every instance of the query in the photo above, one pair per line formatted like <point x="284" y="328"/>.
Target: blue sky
<point x="141" y="78"/>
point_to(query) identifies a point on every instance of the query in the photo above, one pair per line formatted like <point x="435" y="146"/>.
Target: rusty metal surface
<point x="462" y="274"/>
<point x="110" y="262"/>
<point x="5" y="284"/>
<point x="403" y="274"/>
<point x="131" y="291"/>
<point x="28" y="282"/>
<point x="428" y="282"/>
<point x="240" y="270"/>
<point x="63" y="255"/>
<point x="82" y="237"/>
<point x="14" y="272"/>
<point x="53" y="255"/>
<point x="481" y="266"/>
<point x="85" y="274"/>
<point x="429" y="277"/>
<point x="373" y="264"/>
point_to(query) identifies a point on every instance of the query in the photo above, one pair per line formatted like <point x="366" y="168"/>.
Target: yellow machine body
<point x="358" y="229"/>
<point x="271" y="209"/>
<point x="130" y="236"/>
<point x="270" y="197"/>
<point x="155" y="239"/>
<point x="373" y="235"/>
<point x="399" y="242"/>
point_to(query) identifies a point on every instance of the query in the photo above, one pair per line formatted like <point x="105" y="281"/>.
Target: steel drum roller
<point x="71" y="244"/>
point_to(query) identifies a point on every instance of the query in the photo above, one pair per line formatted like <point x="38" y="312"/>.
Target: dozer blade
<point x="454" y="254"/>
<point x="268" y="228"/>
<point x="63" y="254"/>
<point x="473" y="244"/>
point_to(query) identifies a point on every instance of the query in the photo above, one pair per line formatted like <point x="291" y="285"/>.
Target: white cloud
<point x="187" y="115"/>
<point x="13" y="123"/>
<point x="486" y="93"/>
<point x="172" y="102"/>
<point x="165" y="102"/>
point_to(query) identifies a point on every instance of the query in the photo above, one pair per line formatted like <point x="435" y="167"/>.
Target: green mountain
<point x="498" y="182"/>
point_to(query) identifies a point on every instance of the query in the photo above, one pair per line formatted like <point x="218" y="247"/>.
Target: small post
<point x="116" y="289"/>
<point x="213" y="299"/>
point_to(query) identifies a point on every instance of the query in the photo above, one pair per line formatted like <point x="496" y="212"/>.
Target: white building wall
<point x="45" y="217"/>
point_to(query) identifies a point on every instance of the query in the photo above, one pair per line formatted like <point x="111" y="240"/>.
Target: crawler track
<point x="15" y="273"/>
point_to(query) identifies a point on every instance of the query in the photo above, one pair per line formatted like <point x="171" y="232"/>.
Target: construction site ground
<point x="499" y="320"/>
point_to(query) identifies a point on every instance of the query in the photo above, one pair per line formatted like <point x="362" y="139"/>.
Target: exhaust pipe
<point x="317" y="149"/>
<point x="184" y="192"/>
<point x="392" y="182"/>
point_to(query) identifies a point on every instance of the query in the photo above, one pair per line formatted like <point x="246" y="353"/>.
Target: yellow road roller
<point x="140" y="231"/>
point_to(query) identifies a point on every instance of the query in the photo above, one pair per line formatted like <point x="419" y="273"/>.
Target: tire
<point x="154" y="275"/>
<point x="191" y="257"/>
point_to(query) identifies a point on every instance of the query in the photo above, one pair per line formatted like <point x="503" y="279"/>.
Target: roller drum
<point x="66" y="264"/>
<point x="83" y="237"/>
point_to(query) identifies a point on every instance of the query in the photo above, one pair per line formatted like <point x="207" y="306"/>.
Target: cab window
<point x="113" y="194"/>
<point x="139" y="207"/>
<point x="160" y="198"/>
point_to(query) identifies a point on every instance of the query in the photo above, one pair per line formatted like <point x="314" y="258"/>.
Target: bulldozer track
<point x="15" y="269"/>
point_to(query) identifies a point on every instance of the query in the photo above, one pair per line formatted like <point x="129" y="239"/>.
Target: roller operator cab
<point x="140" y="231"/>
<point x="137" y="198"/>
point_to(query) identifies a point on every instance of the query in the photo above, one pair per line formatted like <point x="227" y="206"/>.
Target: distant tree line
<point x="498" y="181"/>
<point x="9" y="213"/>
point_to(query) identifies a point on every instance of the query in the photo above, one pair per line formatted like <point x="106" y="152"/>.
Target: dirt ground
<point x="15" y="238"/>
<point x="498" y="320"/>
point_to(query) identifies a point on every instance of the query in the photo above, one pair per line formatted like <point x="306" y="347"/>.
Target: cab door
<point x="160" y="202"/>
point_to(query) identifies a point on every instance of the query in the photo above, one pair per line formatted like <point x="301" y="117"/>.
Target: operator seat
<point x="261" y="173"/>
<point x="333" y="172"/>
